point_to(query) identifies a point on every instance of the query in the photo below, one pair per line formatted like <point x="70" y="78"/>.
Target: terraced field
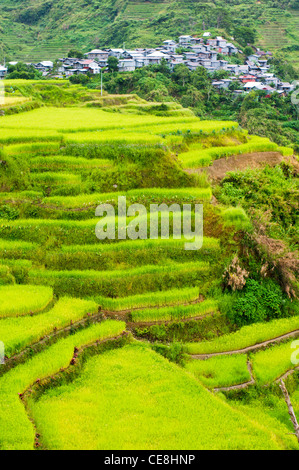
<point x="74" y="308"/>
<point x="278" y="32"/>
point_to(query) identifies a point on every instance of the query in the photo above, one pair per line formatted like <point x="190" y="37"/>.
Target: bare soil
<point x="220" y="167"/>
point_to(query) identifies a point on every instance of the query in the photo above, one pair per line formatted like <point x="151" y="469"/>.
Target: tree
<point x="75" y="54"/>
<point x="113" y="64"/>
<point x="79" y="79"/>
<point x="23" y="71"/>
<point x="248" y="51"/>
<point x="181" y="74"/>
<point x="244" y="35"/>
<point x="200" y="78"/>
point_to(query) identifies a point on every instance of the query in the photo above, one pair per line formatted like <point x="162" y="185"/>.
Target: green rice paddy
<point x="67" y="298"/>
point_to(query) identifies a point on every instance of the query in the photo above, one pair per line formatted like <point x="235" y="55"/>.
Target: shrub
<point x="260" y="301"/>
<point x="9" y="213"/>
<point x="5" y="276"/>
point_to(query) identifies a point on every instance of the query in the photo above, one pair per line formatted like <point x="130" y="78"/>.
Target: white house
<point x="170" y="45"/>
<point x="116" y="53"/>
<point x="126" y="65"/>
<point x="222" y="84"/>
<point x="90" y="66"/>
<point x="3" y="71"/>
<point x="185" y="40"/>
<point x="97" y="54"/>
<point x="156" y="57"/>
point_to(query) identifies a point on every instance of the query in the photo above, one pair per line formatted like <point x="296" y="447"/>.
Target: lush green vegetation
<point x="57" y="279"/>
<point x="120" y="283"/>
<point x="220" y="371"/>
<point x="175" y="313"/>
<point x="270" y="194"/>
<point x="271" y="364"/>
<point x="18" y="432"/>
<point x="23" y="300"/>
<point x="153" y="299"/>
<point x="17" y="333"/>
<point x="273" y="116"/>
<point x="247" y="336"/>
<point x="175" y="401"/>
<point x="83" y="26"/>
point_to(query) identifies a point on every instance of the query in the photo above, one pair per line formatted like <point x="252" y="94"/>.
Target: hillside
<point x="110" y="333"/>
<point x="46" y="29"/>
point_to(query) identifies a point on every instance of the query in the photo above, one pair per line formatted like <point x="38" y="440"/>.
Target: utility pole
<point x="2" y="55"/>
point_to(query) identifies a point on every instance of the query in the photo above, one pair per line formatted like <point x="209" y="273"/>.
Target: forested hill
<point x="32" y="30"/>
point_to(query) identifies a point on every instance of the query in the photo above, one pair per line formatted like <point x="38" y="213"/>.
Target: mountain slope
<point x="32" y="30"/>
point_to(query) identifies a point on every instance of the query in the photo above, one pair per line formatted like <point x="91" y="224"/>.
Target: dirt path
<point x="255" y="347"/>
<point x="220" y="167"/>
<point x="47" y="340"/>
<point x="284" y="376"/>
<point x="252" y="381"/>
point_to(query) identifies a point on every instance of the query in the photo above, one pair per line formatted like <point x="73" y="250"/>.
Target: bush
<point x="5" y="276"/>
<point x="8" y="212"/>
<point x="175" y="352"/>
<point x="261" y="301"/>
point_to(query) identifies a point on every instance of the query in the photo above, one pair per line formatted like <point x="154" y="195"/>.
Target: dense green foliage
<point x="85" y="25"/>
<point x="259" y="302"/>
<point x="58" y="164"/>
<point x="270" y="194"/>
<point x="169" y="420"/>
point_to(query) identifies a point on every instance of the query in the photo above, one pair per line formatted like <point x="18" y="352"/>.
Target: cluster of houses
<point x="194" y="52"/>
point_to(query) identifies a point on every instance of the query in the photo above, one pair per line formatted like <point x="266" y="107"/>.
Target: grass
<point x="66" y="163"/>
<point x="16" y="249"/>
<point x="18" y="333"/>
<point x="128" y="254"/>
<point x="23" y="300"/>
<point x="152" y="299"/>
<point x="11" y="100"/>
<point x="65" y="153"/>
<point x="142" y="196"/>
<point x="121" y="283"/>
<point x="17" y="135"/>
<point x="166" y="408"/>
<point x="221" y="371"/>
<point x="68" y="120"/>
<point x="52" y="179"/>
<point x="246" y="336"/>
<point x="270" y="364"/>
<point x="18" y="432"/>
<point x="236" y="217"/>
<point x="175" y="313"/>
<point x="36" y="149"/>
<point x="73" y="120"/>
<point x="66" y="125"/>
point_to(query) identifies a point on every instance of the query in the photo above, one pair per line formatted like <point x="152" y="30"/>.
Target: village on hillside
<point x="195" y="52"/>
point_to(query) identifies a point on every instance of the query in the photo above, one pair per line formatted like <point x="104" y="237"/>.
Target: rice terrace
<point x="141" y="344"/>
